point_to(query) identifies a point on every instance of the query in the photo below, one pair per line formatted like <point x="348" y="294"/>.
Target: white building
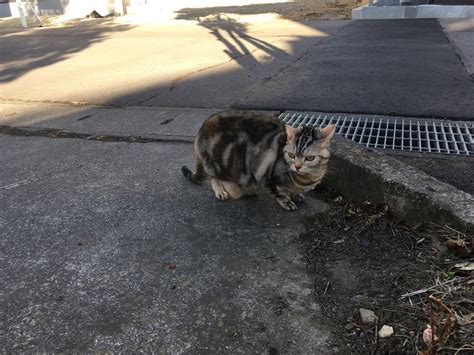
<point x="70" y="8"/>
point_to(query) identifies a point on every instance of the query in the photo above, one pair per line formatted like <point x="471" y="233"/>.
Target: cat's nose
<point x="298" y="167"/>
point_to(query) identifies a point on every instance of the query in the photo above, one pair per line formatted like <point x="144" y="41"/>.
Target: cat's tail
<point x="198" y="177"/>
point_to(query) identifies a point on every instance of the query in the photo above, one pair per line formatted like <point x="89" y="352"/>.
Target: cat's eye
<point x="291" y="155"/>
<point x="310" y="158"/>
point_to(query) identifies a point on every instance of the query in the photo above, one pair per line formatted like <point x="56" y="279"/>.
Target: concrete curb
<point x="411" y="195"/>
<point x="367" y="12"/>
<point x="355" y="171"/>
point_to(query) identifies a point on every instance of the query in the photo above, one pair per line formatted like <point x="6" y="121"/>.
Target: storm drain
<point x="405" y="134"/>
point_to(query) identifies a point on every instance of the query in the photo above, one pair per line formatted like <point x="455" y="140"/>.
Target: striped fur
<point x="244" y="151"/>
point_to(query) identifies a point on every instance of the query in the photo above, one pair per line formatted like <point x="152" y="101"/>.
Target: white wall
<point x="68" y="8"/>
<point x="81" y="8"/>
<point x="203" y="3"/>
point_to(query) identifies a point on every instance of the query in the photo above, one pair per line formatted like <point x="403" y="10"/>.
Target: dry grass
<point x="411" y="276"/>
<point x="293" y="10"/>
<point x="322" y="9"/>
<point x="449" y="308"/>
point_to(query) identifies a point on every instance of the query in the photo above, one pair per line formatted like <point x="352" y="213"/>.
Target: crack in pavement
<point x="59" y="133"/>
<point x="64" y="102"/>
<point x="36" y="178"/>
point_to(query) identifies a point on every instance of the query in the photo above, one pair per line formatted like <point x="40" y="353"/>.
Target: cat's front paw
<point x="222" y="195"/>
<point x="298" y="198"/>
<point x="219" y="190"/>
<point x="287" y="204"/>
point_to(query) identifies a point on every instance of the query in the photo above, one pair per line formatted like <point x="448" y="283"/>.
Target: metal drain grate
<point x="414" y="135"/>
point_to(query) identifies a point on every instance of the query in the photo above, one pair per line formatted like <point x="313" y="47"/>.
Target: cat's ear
<point x="326" y="133"/>
<point x="290" y="133"/>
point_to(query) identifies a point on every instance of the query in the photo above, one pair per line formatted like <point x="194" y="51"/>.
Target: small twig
<point x="440" y="303"/>
<point x="431" y="345"/>
<point x="465" y="347"/>
<point x="326" y="289"/>
<point x="344" y="215"/>
<point x="418" y="292"/>
<point x="376" y="337"/>
<point x="444" y="334"/>
<point x="318" y="299"/>
<point x="424" y="290"/>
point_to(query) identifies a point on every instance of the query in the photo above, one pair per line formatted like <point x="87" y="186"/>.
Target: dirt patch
<point x="320" y="9"/>
<point x="293" y="10"/>
<point x="362" y="258"/>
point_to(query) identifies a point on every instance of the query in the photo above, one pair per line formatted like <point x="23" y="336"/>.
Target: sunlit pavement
<point x="185" y="64"/>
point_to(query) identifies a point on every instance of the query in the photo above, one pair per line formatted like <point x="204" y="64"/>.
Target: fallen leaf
<point x="171" y="266"/>
<point x="459" y="247"/>
<point x="428" y="335"/>
<point x="466" y="266"/>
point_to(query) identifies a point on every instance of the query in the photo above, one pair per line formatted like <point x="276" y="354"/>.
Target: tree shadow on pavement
<point x="207" y="64"/>
<point x="22" y="52"/>
<point x="234" y="36"/>
<point x="251" y="60"/>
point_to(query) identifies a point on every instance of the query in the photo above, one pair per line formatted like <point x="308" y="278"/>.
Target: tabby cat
<point x="245" y="151"/>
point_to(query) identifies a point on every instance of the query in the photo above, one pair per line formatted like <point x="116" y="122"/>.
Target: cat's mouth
<point x="300" y="171"/>
<point x="304" y="171"/>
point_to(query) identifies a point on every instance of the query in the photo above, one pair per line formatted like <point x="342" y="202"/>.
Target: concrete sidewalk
<point x="461" y="34"/>
<point x="148" y="124"/>
<point x="158" y="123"/>
<point x="176" y="124"/>
<point x="106" y="247"/>
<point x="406" y="68"/>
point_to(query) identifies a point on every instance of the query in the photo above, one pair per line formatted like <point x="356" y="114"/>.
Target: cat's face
<point x="306" y="148"/>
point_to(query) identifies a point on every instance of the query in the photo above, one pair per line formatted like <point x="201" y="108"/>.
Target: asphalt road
<point x="394" y="67"/>
<point x="184" y="64"/>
